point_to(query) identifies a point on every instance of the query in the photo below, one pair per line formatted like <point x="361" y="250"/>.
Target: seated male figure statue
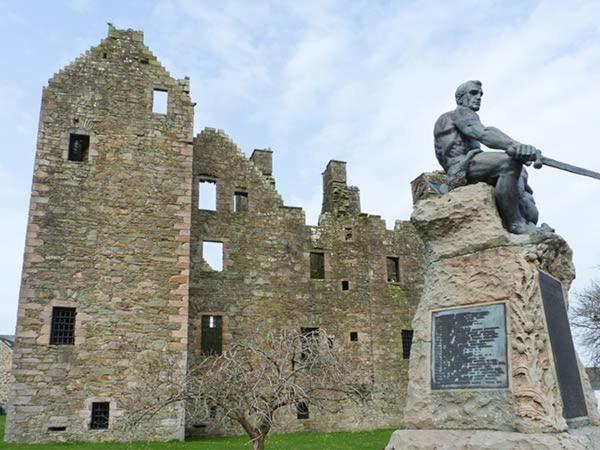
<point x="458" y="136"/>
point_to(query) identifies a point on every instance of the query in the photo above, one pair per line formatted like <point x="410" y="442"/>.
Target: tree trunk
<point x="258" y="443"/>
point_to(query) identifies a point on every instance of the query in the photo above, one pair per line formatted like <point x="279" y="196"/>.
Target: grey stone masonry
<point x="108" y="236"/>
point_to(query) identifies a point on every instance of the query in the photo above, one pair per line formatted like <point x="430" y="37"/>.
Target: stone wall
<point x="118" y="236"/>
<point x="6" y="353"/>
<point x="265" y="283"/>
<point x="108" y="236"/>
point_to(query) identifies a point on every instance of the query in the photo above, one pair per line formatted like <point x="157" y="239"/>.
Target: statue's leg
<point x="503" y="172"/>
<point x="527" y="205"/>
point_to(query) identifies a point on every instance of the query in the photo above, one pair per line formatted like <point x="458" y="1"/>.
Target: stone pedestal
<point x="481" y="329"/>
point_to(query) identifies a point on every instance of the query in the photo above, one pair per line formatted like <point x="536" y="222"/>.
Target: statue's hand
<point x="523" y="152"/>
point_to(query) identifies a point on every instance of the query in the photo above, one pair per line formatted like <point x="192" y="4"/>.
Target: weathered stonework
<point x="119" y="236"/>
<point x="471" y="260"/>
<point x="108" y="236"/>
<point x="266" y="280"/>
<point x="6" y="352"/>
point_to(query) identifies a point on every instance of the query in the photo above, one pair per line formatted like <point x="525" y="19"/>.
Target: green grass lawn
<point x="364" y="440"/>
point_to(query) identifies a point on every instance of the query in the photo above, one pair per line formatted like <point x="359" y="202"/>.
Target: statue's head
<point x="469" y="94"/>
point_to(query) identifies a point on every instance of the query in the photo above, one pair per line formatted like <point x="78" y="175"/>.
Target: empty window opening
<point x="57" y="428"/>
<point x="100" y="415"/>
<point x="160" y="100"/>
<point x="78" y="147"/>
<point x="309" y="342"/>
<point x="393" y="269"/>
<point x="345" y="285"/>
<point x="62" y="328"/>
<point x="353" y="336"/>
<point x="211" y="341"/>
<point x="145" y="61"/>
<point x="207" y="195"/>
<point x="348" y="233"/>
<point x="302" y="410"/>
<point x="212" y="412"/>
<point x="104" y="55"/>
<point x="212" y="253"/>
<point x="407" y="337"/>
<point x="317" y="265"/>
<point x="240" y="201"/>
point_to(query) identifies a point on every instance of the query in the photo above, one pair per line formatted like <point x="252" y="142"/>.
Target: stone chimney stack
<point x="338" y="197"/>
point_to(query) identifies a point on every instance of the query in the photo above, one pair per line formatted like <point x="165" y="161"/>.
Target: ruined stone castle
<point x="116" y="277"/>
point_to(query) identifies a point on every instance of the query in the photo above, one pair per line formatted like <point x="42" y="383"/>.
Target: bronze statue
<point x="458" y="136"/>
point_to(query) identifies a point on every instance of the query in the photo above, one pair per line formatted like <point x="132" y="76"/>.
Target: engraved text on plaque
<point x="468" y="348"/>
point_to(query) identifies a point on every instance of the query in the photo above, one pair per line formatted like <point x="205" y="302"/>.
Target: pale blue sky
<point x="360" y="81"/>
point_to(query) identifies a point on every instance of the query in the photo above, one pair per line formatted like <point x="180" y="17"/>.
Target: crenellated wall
<point x="265" y="283"/>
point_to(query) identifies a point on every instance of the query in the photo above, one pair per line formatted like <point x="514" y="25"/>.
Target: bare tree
<point x="251" y="381"/>
<point x="585" y="316"/>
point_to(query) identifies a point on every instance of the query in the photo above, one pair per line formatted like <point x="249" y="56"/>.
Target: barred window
<point x="407" y="337"/>
<point x="212" y="335"/>
<point x="78" y="147"/>
<point x="100" y="414"/>
<point x="62" y="329"/>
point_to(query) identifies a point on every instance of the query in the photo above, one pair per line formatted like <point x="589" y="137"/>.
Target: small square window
<point x="345" y="285"/>
<point x="348" y="233"/>
<point x="62" y="327"/>
<point x="302" y="410"/>
<point x="100" y="415"/>
<point x="160" y="101"/>
<point x="317" y="265"/>
<point x="353" y="336"/>
<point x="393" y="269"/>
<point x="240" y="202"/>
<point x="78" y="147"/>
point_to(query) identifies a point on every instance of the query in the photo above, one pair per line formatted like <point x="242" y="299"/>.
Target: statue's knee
<point x="510" y="165"/>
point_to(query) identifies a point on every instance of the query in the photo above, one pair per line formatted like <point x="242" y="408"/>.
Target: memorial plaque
<point x="468" y="348"/>
<point x="567" y="371"/>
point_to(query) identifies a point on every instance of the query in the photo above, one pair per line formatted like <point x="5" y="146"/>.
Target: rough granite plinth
<point x="471" y="260"/>
<point x="580" y="439"/>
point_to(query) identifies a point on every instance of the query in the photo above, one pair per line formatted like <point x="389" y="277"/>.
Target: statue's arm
<point x="469" y="124"/>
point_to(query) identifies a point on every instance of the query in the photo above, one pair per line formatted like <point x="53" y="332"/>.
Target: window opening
<point x="160" y="100"/>
<point x="353" y="336"/>
<point x="78" y="147"/>
<point x="345" y="285"/>
<point x="309" y="342"/>
<point x="212" y="253"/>
<point x="207" y="195"/>
<point x="393" y="269"/>
<point x="100" y="415"/>
<point x="240" y="201"/>
<point x="407" y="337"/>
<point x="302" y="410"/>
<point x="212" y="412"/>
<point x="317" y="265"/>
<point x="348" y="233"/>
<point x="211" y="341"/>
<point x="62" y="328"/>
<point x="57" y="428"/>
